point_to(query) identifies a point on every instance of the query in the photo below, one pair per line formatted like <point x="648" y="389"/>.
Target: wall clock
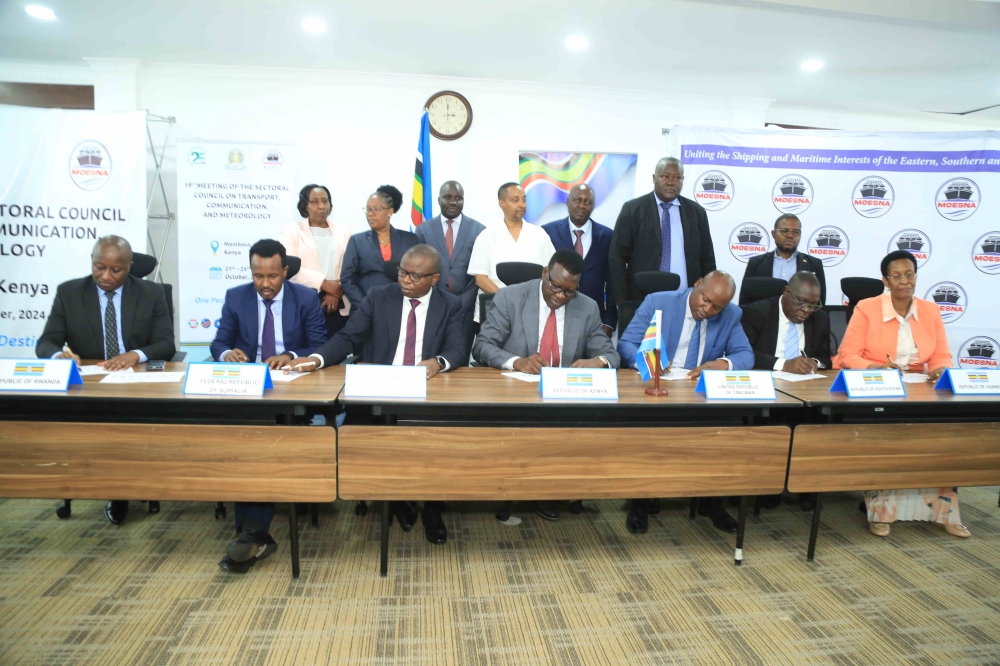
<point x="450" y="115"/>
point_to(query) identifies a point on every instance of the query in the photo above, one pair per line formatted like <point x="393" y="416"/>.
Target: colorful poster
<point x="547" y="178"/>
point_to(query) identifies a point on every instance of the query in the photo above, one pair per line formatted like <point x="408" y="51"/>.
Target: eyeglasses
<point x="795" y="233"/>
<point x="561" y="290"/>
<point x="414" y="277"/>
<point x="802" y="305"/>
<point x="899" y="278"/>
<point x="376" y="210"/>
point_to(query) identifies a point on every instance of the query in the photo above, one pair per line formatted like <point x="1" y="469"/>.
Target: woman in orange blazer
<point x="898" y="330"/>
<point x="320" y="244"/>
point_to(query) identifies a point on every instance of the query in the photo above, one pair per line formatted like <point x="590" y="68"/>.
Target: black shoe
<point x="770" y="501"/>
<point x="711" y="507"/>
<point x="637" y="523"/>
<point x="229" y="565"/>
<point x="807" y="501"/>
<point x="434" y="528"/>
<point x="405" y="514"/>
<point x="115" y="511"/>
<point x="547" y="510"/>
<point x="251" y="546"/>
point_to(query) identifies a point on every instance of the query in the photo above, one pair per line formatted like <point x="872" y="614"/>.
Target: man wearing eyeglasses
<point x="786" y="260"/>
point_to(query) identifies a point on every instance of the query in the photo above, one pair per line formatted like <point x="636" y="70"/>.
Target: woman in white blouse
<point x="320" y="244"/>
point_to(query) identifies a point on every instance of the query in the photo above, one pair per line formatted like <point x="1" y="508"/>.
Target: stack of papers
<point x="522" y="376"/>
<point x="142" y="377"/>
<point x="792" y="377"/>
<point x="280" y="376"/>
<point x="914" y="378"/>
<point x="675" y="374"/>
<point x="88" y="370"/>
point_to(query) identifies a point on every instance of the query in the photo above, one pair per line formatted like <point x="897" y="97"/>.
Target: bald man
<point x="660" y="231"/>
<point x="701" y="331"/>
<point x="111" y="317"/>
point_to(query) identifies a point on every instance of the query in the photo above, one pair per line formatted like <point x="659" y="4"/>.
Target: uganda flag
<point x="422" y="205"/>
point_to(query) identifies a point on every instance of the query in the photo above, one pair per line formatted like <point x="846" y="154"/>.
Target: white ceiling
<point x="906" y="55"/>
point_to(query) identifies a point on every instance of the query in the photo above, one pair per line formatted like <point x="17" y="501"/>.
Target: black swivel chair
<point x="859" y="288"/>
<point x="761" y="288"/>
<point x="646" y="282"/>
<point x="294" y="265"/>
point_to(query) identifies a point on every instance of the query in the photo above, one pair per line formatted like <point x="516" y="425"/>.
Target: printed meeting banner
<point x="861" y="195"/>
<point x="230" y="194"/>
<point x="66" y="179"/>
<point x="547" y="178"/>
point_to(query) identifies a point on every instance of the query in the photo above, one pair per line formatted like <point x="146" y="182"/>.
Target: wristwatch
<point x="442" y="364"/>
<point x="604" y="360"/>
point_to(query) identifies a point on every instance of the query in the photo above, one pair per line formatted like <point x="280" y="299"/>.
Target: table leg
<point x="741" y="524"/>
<point x="814" y="532"/>
<point x="293" y="537"/>
<point x="384" y="563"/>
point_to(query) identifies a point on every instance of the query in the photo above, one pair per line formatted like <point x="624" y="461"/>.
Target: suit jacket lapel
<point x="572" y="322"/>
<point x="253" y="324"/>
<point x="376" y="249"/>
<point x="92" y="310"/>
<point x="530" y="317"/>
<point x="772" y="326"/>
<point x="436" y="236"/>
<point x="288" y="309"/>
<point x="464" y="233"/>
<point x="393" y="320"/>
<point x="129" y="300"/>
<point x="767" y="265"/>
<point x="432" y="323"/>
<point x="677" y="325"/>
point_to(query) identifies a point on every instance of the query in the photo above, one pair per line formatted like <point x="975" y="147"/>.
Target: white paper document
<point x="280" y="376"/>
<point x="522" y="376"/>
<point x="143" y="378"/>
<point x="914" y="378"/>
<point x="675" y="374"/>
<point x="792" y="377"/>
<point x="88" y="370"/>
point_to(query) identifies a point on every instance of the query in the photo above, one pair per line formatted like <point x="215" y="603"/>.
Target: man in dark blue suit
<point x="271" y="321"/>
<point x="592" y="241"/>
<point x="701" y="331"/>
<point x="412" y="322"/>
<point x="453" y="235"/>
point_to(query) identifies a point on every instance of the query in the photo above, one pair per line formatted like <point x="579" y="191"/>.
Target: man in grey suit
<point x="453" y="235"/>
<point x="542" y="323"/>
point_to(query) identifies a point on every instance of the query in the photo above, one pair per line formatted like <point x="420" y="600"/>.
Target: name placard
<point x="385" y="381"/>
<point x="869" y="384"/>
<point x="578" y="384"/>
<point x="736" y="385"/>
<point x="970" y="382"/>
<point x="38" y="374"/>
<point x="242" y="379"/>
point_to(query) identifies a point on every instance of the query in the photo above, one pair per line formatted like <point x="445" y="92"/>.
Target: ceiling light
<point x="577" y="42"/>
<point x="39" y="12"/>
<point x="314" y="25"/>
<point x="812" y="65"/>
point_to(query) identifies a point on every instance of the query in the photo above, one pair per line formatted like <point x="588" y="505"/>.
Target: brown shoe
<point x="879" y="529"/>
<point x="957" y="529"/>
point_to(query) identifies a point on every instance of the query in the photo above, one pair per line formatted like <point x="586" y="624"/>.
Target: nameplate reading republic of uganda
<point x="578" y="384"/>
<point x="970" y="382"/>
<point x="869" y="384"/>
<point x="38" y="374"/>
<point x="385" y="381"/>
<point x="236" y="379"/>
<point x="736" y="385"/>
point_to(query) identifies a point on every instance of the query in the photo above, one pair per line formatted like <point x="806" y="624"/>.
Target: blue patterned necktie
<point x="268" y="348"/>
<point x="110" y="327"/>
<point x="691" y="362"/>
<point x="665" y="228"/>
<point x="792" y="343"/>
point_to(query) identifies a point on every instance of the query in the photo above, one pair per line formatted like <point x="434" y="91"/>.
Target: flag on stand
<point x="645" y="358"/>
<point x="423" y="204"/>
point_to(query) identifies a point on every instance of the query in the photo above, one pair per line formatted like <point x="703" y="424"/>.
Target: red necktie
<point x="579" y="242"/>
<point x="410" y="347"/>
<point x="449" y="241"/>
<point x="549" y="348"/>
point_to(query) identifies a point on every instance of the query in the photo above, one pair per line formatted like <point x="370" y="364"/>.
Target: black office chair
<point x="391" y="270"/>
<point x="294" y="265"/>
<point x="761" y="288"/>
<point x="646" y="283"/>
<point x="516" y="272"/>
<point x="859" y="288"/>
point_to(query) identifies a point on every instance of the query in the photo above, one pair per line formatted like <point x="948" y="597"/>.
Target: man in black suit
<point x="786" y="260"/>
<point x="111" y="316"/>
<point x="660" y="231"/>
<point x="393" y="318"/>
<point x="790" y="333"/>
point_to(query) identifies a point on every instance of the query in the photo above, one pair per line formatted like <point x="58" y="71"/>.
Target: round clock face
<point x="450" y="115"/>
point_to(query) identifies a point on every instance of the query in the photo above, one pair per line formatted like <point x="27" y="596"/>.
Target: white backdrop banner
<point x="860" y="196"/>
<point x="66" y="179"/>
<point x="230" y="194"/>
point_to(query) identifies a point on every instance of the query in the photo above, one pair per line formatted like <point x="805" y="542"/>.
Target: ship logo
<point x="272" y="160"/>
<point x="26" y="369"/>
<point x="986" y="253"/>
<point x="913" y="241"/>
<point x="829" y="244"/>
<point x="792" y="193"/>
<point x="950" y="299"/>
<point x="714" y="190"/>
<point x="748" y="240"/>
<point x="957" y="199"/>
<point x="90" y="166"/>
<point x="235" y="159"/>
<point x="873" y="196"/>
<point x="980" y="353"/>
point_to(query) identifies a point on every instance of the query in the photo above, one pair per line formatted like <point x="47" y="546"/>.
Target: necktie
<point x="110" y="327"/>
<point x="792" y="343"/>
<point x="549" y="347"/>
<point x="410" y="347"/>
<point x="665" y="229"/>
<point x="691" y="362"/>
<point x="579" y="242"/>
<point x="267" y="344"/>
<point x="449" y="241"/>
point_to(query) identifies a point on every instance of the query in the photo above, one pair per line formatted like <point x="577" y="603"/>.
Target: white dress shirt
<point x="543" y="318"/>
<point x="684" y="343"/>
<point x="418" y="345"/>
<point x="906" y="348"/>
<point x="588" y="234"/>
<point x="496" y="246"/>
<point x="279" y="336"/>
<point x="678" y="261"/>
<point x="783" y="324"/>
<point x="456" y="223"/>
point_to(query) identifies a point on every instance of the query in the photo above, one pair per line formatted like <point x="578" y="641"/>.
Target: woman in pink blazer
<point x="320" y="244"/>
<point x="898" y="330"/>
